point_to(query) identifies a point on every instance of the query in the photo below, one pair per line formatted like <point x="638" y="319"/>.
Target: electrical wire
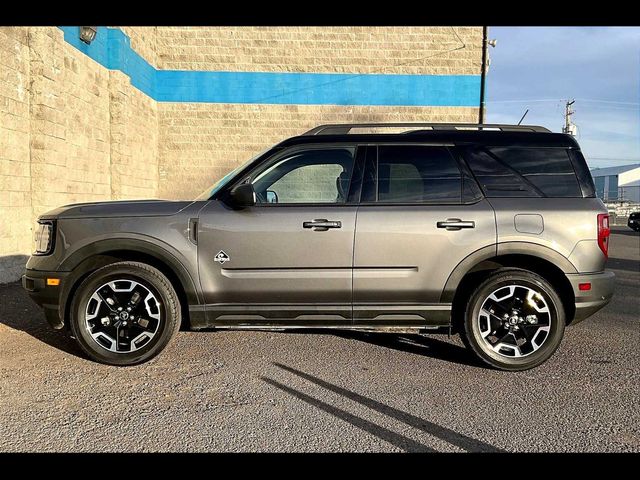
<point x="524" y="101"/>
<point x="593" y="100"/>
<point x="616" y="159"/>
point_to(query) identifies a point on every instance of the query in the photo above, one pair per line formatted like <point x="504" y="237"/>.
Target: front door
<point x="420" y="216"/>
<point x="288" y="259"/>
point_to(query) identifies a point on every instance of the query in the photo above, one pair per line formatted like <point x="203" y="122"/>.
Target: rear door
<point x="420" y="215"/>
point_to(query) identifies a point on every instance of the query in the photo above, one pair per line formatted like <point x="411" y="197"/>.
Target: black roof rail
<point x="343" y="129"/>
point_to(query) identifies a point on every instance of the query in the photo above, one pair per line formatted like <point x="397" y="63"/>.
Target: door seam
<point x="353" y="259"/>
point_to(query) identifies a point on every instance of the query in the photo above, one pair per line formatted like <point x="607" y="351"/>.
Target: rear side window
<point x="417" y="174"/>
<point x="582" y="172"/>
<point x="524" y="172"/>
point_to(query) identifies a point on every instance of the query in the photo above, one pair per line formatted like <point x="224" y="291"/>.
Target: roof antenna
<point x="525" y="114"/>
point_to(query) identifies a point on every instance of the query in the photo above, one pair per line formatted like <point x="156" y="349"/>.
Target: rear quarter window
<point x="525" y="172"/>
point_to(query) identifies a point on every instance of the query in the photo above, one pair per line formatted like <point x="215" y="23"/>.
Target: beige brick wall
<point x="15" y="183"/>
<point x="70" y="131"/>
<point x="408" y="50"/>
<point x="69" y="124"/>
<point x="133" y="141"/>
<point x="200" y="142"/>
<point x="143" y="41"/>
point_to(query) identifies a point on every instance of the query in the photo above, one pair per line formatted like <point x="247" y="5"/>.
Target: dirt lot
<point x="330" y="391"/>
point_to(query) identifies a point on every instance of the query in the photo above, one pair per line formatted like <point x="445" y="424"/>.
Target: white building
<point x="616" y="184"/>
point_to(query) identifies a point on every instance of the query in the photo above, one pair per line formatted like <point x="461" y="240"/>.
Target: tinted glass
<point x="417" y="174"/>
<point x="496" y="179"/>
<point x="582" y="172"/>
<point x="311" y="176"/>
<point x="548" y="169"/>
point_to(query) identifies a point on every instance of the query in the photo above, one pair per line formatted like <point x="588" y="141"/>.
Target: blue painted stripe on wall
<point x="317" y="88"/>
<point x="112" y="49"/>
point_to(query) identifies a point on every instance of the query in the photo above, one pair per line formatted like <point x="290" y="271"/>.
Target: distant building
<point x="618" y="184"/>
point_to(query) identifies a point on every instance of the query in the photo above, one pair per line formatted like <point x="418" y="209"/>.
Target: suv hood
<point x="128" y="208"/>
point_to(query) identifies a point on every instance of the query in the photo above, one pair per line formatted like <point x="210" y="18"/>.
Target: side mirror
<point x="243" y="195"/>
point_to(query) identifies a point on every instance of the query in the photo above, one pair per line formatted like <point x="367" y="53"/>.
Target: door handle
<point x="193" y="230"/>
<point x="455" y="224"/>
<point x="322" y="224"/>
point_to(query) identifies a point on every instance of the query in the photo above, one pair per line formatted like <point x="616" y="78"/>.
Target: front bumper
<point x="48" y="297"/>
<point x="590" y="301"/>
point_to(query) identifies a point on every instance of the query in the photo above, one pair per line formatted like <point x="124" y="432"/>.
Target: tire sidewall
<point x="551" y="342"/>
<point x="149" y="280"/>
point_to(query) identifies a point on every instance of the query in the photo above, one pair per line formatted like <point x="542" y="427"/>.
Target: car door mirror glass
<point x="272" y="197"/>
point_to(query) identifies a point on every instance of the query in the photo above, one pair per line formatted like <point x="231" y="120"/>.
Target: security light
<point x="87" y="34"/>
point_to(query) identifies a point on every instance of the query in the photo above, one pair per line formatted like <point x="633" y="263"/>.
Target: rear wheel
<point x="514" y="320"/>
<point x="125" y="313"/>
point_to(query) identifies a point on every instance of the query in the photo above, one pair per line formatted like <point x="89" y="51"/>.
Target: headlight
<point x="43" y="238"/>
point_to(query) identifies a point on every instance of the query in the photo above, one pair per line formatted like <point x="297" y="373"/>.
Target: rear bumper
<point x="48" y="297"/>
<point x="590" y="301"/>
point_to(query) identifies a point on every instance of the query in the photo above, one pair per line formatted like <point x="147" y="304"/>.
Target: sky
<point x="539" y="68"/>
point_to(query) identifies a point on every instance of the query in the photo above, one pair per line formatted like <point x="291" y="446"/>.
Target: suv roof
<point x="458" y="133"/>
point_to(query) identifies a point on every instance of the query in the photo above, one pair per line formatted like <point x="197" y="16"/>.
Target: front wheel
<point x="514" y="320"/>
<point x="125" y="313"/>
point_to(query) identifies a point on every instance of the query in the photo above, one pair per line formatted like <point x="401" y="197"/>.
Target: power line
<point x="525" y="101"/>
<point x="608" y="105"/>
<point x="589" y="100"/>
<point x="606" y="101"/>
<point x="614" y="160"/>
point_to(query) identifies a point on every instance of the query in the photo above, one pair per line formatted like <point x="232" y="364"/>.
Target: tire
<point x="541" y="335"/>
<point x="104" y="293"/>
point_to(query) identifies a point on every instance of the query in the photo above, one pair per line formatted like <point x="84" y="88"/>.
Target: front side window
<point x="417" y="174"/>
<point x="320" y="175"/>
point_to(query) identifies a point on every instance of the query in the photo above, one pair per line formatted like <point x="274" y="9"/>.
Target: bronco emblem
<point x="221" y="257"/>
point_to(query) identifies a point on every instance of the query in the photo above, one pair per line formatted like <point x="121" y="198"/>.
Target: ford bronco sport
<point x="490" y="231"/>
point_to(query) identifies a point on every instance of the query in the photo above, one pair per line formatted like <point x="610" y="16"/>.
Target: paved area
<point x="331" y="391"/>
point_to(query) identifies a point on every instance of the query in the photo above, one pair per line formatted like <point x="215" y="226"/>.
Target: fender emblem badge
<point x="221" y="257"/>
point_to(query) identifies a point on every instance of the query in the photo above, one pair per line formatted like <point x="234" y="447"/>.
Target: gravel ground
<point x="329" y="391"/>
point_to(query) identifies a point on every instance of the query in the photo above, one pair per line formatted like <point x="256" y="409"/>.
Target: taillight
<point x="603" y="233"/>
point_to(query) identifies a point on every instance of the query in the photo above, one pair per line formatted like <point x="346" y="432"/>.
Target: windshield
<point x="216" y="187"/>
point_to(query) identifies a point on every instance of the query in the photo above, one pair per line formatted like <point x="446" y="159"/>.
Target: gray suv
<point x="490" y="231"/>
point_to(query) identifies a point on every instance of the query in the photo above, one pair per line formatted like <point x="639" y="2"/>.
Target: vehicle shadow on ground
<point x="18" y="312"/>
<point x="416" y="344"/>
<point x="398" y="440"/>
<point x="404" y="342"/>
<point x="623" y="264"/>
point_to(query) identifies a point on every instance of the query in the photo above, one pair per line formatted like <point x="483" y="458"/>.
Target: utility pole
<point x="483" y="74"/>
<point x="569" y="127"/>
